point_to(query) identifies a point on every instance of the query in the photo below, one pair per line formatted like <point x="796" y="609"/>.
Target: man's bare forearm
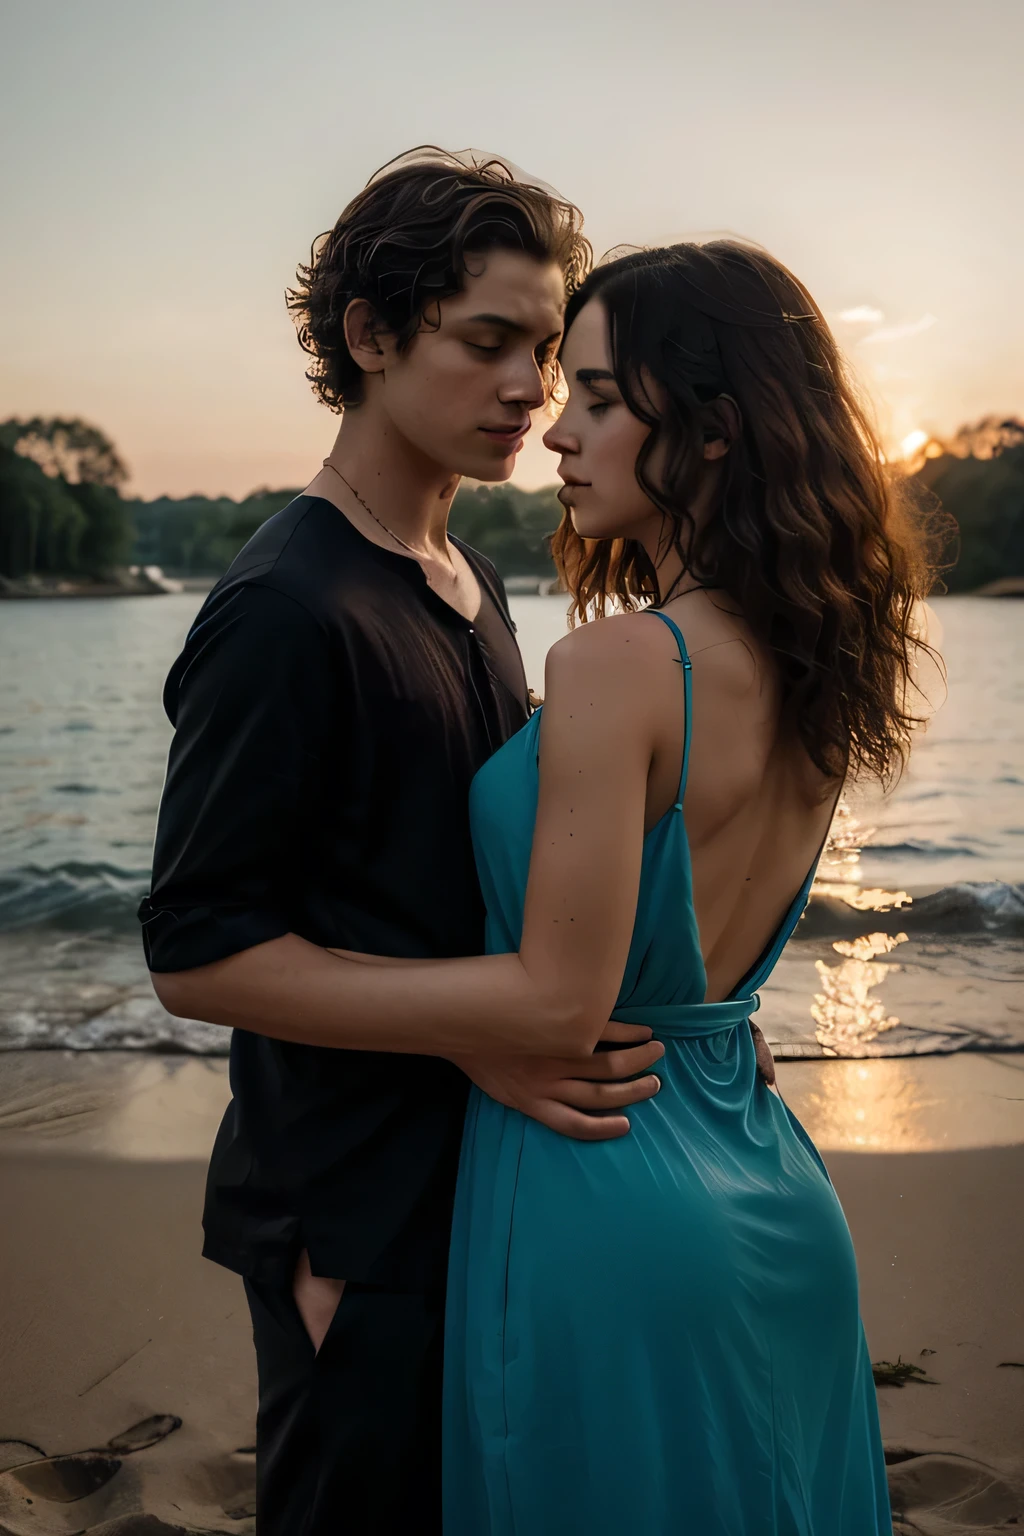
<point x="292" y="990"/>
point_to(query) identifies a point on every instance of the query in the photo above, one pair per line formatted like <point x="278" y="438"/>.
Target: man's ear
<point x="363" y="336"/>
<point x="722" y="428"/>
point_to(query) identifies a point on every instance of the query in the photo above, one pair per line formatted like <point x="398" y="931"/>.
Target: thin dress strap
<point x="684" y="657"/>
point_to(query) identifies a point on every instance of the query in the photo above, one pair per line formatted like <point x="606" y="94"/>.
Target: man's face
<point x="463" y="390"/>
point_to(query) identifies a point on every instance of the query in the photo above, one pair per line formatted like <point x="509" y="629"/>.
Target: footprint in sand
<point x="144" y="1434"/>
<point x="60" y="1479"/>
<point x="14" y="1452"/>
<point x="35" y="1488"/>
<point x="937" y="1495"/>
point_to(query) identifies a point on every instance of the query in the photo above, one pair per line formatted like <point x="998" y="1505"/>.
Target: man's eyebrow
<point x="508" y="325"/>
<point x="589" y="376"/>
<point x="503" y="320"/>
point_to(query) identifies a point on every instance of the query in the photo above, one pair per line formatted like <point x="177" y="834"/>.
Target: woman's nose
<point x="557" y="440"/>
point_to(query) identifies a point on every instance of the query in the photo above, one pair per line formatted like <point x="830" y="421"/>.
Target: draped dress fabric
<point x="657" y="1335"/>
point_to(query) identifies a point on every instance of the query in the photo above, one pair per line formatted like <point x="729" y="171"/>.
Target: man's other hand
<point x="574" y="1098"/>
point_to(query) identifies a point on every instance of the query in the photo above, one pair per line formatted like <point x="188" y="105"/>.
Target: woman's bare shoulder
<point x="632" y="652"/>
<point x="610" y="666"/>
<point x="606" y="649"/>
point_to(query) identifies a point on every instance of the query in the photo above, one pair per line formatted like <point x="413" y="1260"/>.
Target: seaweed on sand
<point x="897" y="1373"/>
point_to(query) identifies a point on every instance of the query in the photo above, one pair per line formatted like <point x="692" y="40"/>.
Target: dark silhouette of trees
<point x="508" y="525"/>
<point x="978" y="479"/>
<point x="61" y="511"/>
<point x="41" y="523"/>
<point x="200" y="535"/>
<point x="72" y="450"/>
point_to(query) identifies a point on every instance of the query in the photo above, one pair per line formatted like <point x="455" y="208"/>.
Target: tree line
<point x="977" y="479"/>
<point x="62" y="511"/>
<point x="200" y="535"/>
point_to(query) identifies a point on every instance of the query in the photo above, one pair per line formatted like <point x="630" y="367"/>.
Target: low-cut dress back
<point x="658" y="1334"/>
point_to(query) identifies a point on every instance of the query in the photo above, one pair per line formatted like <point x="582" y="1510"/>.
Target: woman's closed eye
<point x="597" y="401"/>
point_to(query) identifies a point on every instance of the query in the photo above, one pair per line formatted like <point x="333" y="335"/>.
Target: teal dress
<point x="659" y="1335"/>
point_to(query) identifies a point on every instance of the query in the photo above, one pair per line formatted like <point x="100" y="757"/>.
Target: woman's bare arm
<point x="292" y="990"/>
<point x="555" y="996"/>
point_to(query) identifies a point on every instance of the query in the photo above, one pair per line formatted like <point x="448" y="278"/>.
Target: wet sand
<point x="110" y="1321"/>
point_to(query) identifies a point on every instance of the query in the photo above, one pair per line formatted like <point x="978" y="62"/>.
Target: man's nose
<point x="524" y="384"/>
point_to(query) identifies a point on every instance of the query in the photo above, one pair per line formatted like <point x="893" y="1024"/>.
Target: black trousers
<point x="348" y="1440"/>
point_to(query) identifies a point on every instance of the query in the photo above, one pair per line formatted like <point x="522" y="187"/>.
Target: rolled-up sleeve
<point x="251" y="698"/>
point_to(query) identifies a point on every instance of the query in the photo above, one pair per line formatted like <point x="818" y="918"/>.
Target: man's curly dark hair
<point x="402" y="245"/>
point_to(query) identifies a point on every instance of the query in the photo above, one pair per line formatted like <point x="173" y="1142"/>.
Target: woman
<point x="660" y="1334"/>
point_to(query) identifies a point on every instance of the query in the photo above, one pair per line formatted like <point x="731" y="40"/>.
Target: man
<point x="337" y="692"/>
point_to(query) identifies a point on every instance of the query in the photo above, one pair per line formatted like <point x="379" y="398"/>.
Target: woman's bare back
<point x="757" y="810"/>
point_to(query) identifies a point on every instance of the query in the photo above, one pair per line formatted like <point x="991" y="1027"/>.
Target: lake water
<point x="912" y="942"/>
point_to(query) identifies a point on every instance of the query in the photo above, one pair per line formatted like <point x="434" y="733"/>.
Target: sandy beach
<point x="127" y="1386"/>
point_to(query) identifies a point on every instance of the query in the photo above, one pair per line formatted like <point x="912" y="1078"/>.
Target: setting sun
<point x="913" y="443"/>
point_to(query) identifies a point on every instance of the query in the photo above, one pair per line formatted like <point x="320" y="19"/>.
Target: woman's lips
<point x="567" y="495"/>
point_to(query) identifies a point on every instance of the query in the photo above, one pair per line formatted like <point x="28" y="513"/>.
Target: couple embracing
<point x="529" y="1242"/>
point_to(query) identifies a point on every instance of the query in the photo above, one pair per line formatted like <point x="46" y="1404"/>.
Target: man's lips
<point x="507" y="435"/>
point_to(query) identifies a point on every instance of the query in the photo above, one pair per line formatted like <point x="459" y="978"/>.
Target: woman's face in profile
<point x="599" y="439"/>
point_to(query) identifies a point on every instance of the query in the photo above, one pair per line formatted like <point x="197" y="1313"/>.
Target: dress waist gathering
<point x="690" y="1020"/>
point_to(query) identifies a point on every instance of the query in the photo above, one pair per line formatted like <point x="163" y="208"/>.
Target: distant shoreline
<point x="150" y="581"/>
<point x="146" y="581"/>
<point x="1006" y="586"/>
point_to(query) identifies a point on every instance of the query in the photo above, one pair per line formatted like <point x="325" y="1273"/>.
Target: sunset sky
<point x="166" y="165"/>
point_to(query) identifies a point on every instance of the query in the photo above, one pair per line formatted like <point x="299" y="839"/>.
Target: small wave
<point x="137" y="1024"/>
<point x="970" y="908"/>
<point x="922" y="848"/>
<point x="84" y="896"/>
<point x="71" y="895"/>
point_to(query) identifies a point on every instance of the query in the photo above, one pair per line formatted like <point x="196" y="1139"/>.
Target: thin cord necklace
<point x="420" y="554"/>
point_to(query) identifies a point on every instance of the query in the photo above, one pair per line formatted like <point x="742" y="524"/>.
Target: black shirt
<point x="330" y="711"/>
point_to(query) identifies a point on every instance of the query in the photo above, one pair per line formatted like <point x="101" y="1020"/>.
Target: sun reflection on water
<point x="845" y="1015"/>
<point x="890" y="1106"/>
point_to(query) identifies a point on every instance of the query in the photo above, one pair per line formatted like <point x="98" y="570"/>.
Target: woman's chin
<point x="591" y="525"/>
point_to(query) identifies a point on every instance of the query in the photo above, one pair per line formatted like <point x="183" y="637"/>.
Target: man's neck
<point x="403" y="489"/>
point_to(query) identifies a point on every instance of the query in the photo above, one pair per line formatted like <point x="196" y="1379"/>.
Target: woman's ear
<point x="722" y="428"/>
<point x="362" y="328"/>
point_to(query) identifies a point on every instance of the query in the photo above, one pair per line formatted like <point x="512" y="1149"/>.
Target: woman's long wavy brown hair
<point x="809" y="534"/>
